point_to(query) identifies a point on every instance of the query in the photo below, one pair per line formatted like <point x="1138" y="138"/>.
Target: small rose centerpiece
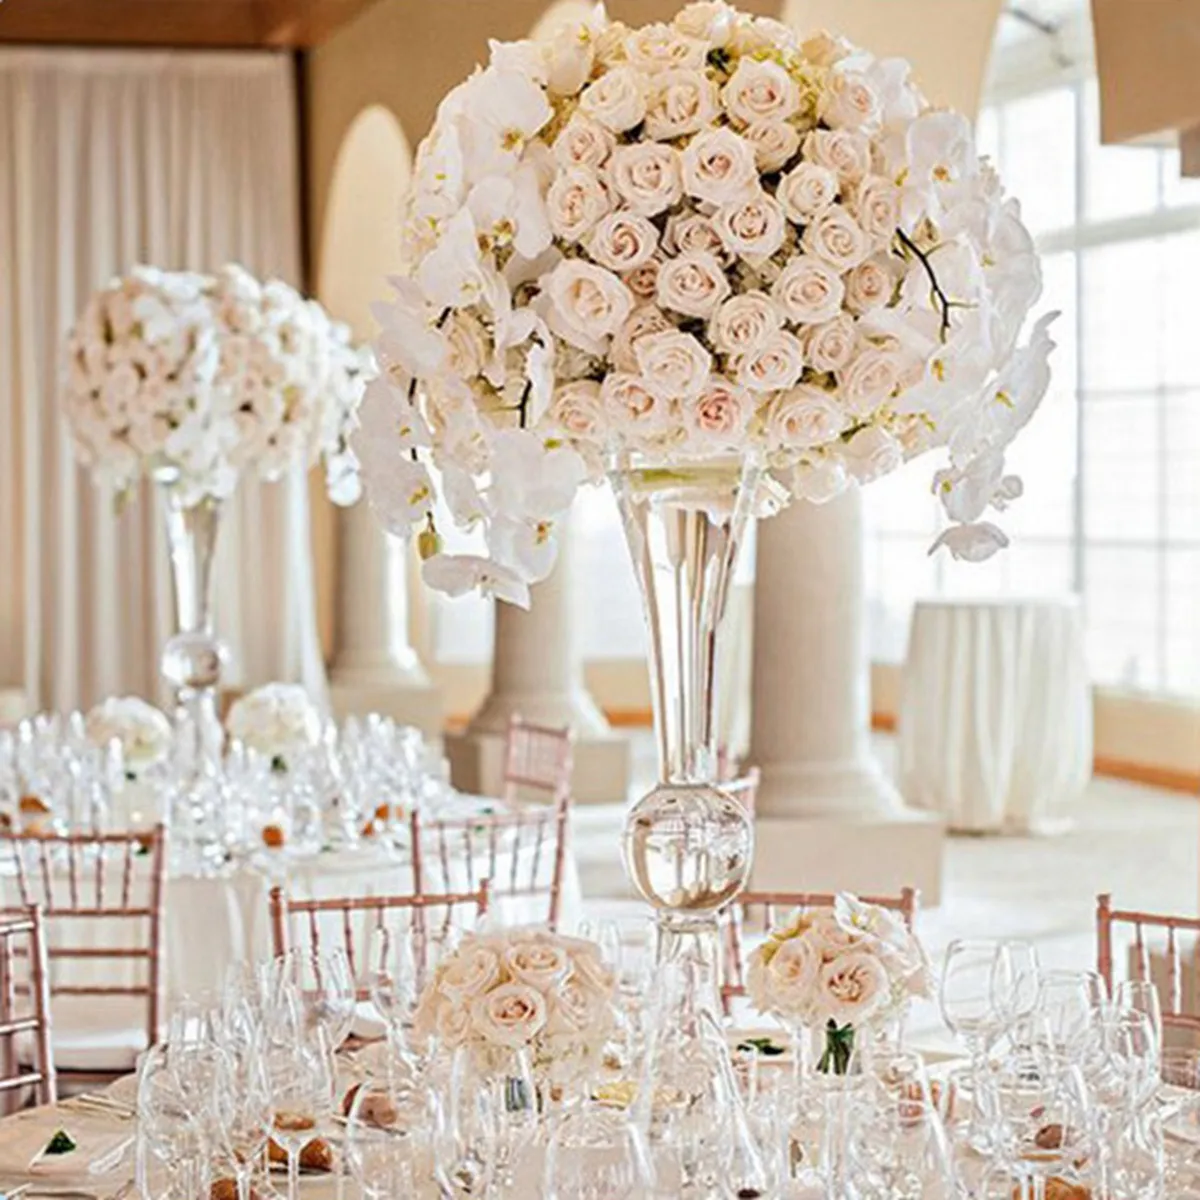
<point x="545" y="994"/>
<point x="855" y="966"/>
<point x="142" y="731"/>
<point x="277" y="720"/>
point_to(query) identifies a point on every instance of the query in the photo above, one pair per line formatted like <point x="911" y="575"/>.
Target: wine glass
<point x="173" y="1124"/>
<point x="465" y="1138"/>
<point x="1072" y="1005"/>
<point x="1140" y="995"/>
<point x="1021" y="1003"/>
<point x="977" y="984"/>
<point x="244" y="1113"/>
<point x="596" y="1151"/>
<point x="300" y="1096"/>
<point x="389" y="1139"/>
<point x="392" y="984"/>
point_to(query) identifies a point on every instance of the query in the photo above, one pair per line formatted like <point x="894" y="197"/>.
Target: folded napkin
<point x="98" y="1150"/>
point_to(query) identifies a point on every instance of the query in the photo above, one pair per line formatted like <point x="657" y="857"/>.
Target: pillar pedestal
<point x="828" y="818"/>
<point x="375" y="668"/>
<point x="537" y="672"/>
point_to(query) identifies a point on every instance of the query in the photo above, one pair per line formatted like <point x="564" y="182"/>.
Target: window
<point x="1112" y="462"/>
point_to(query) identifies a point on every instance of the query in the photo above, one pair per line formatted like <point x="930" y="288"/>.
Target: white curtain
<point x="108" y="159"/>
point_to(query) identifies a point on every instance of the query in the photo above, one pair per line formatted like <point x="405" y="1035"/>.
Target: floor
<point x="1140" y="844"/>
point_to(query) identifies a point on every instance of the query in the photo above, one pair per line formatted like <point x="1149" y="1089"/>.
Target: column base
<point x="413" y="702"/>
<point x="600" y="776"/>
<point x="831" y="789"/>
<point x="871" y="854"/>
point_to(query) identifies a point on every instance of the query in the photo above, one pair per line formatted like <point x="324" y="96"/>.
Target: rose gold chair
<point x="24" y="972"/>
<point x="521" y="851"/>
<point x="307" y="915"/>
<point x="92" y="881"/>
<point x="537" y="758"/>
<point x="759" y="910"/>
<point x="1170" y="990"/>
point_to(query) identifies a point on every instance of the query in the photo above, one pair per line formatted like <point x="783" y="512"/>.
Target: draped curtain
<point x="107" y="159"/>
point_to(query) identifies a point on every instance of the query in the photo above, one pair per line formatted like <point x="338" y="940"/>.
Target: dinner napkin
<point x="97" y="1151"/>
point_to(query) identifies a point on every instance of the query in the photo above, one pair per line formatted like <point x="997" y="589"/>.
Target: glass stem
<point x="293" y="1173"/>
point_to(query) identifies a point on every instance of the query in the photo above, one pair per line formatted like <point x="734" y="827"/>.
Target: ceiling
<point x="197" y="23"/>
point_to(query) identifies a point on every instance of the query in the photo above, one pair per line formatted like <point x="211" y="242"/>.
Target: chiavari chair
<point x="310" y="924"/>
<point x="24" y="973"/>
<point x="762" y="910"/>
<point x="1170" y="988"/>
<point x="521" y="851"/>
<point x="538" y="759"/>
<point x="102" y="898"/>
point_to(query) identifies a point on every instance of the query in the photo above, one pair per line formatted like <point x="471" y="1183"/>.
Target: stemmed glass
<point x="174" y="1123"/>
<point x="596" y="1152"/>
<point x="389" y="1139"/>
<point x="1140" y="995"/>
<point x="300" y="1096"/>
<point x="1072" y="1005"/>
<point x="465" y="1139"/>
<point x="244" y="1114"/>
<point x="392" y="984"/>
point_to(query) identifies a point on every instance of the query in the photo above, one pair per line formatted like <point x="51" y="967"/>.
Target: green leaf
<point x="61" y="1143"/>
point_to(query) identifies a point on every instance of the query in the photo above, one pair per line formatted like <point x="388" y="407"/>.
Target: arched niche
<point x="358" y="247"/>
<point x="948" y="42"/>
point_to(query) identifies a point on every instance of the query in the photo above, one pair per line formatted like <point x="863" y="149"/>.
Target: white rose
<point x="469" y="972"/>
<point x="804" y="417"/>
<point x="675" y="363"/>
<point x="680" y="102"/>
<point x="775" y="366"/>
<point x="142" y="730"/>
<point x="719" y="166"/>
<point x="588" y="303"/>
<point x="877" y="207"/>
<point x="831" y="346"/>
<point x="575" y="202"/>
<point x="854" y="988"/>
<point x="578" y="1011"/>
<point x="719" y="415"/>
<point x="807" y="190"/>
<point x="760" y="91"/>
<point x="645" y="319"/>
<point x="623" y="241"/>
<point x="824" y="49"/>
<point x="820" y="481"/>
<point x="646" y="175"/>
<point x="868" y="286"/>
<point x="691" y="232"/>
<point x="849" y="101"/>
<point x="583" y="143"/>
<point x="633" y="406"/>
<point x="775" y="143"/>
<point x="617" y="99"/>
<point x="743" y="323"/>
<point x="752" y="228"/>
<point x="576" y="410"/>
<point x="452" y="1025"/>
<point x="872" y="453"/>
<point x="838" y="238"/>
<point x="512" y="1014"/>
<point x="760" y="36"/>
<point x="870" y="379"/>
<point x="643" y="281"/>
<point x="709" y="20"/>
<point x="468" y="346"/>
<point x="537" y="962"/>
<point x="809" y="291"/>
<point x="693" y="284"/>
<point x="275" y="719"/>
<point x="655" y="48"/>
<point x="783" y="976"/>
<point x="845" y="153"/>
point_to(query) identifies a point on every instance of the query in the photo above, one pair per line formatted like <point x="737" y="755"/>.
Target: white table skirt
<point x="995" y="723"/>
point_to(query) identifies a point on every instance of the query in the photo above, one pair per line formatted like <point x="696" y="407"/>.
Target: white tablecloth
<point x="995" y="718"/>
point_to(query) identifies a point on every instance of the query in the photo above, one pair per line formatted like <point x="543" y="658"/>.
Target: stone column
<point x="828" y="818"/>
<point x="375" y="668"/>
<point x="537" y="672"/>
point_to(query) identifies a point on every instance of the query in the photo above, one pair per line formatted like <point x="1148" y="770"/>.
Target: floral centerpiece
<point x="525" y="990"/>
<point x="854" y="967"/>
<point x="193" y="380"/>
<point x="278" y="721"/>
<point x="142" y="731"/>
<point x="725" y="265"/>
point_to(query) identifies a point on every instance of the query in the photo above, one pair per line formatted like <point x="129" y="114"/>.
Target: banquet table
<point x="995" y="725"/>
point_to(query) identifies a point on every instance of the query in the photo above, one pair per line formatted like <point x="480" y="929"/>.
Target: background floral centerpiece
<point x="691" y="240"/>
<point x="278" y="721"/>
<point x="841" y="970"/>
<point x="545" y="994"/>
<point x="142" y="731"/>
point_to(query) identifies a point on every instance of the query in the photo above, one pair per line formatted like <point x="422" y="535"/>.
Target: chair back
<point x="314" y="926"/>
<point x="756" y="911"/>
<point x="101" y="897"/>
<point x="1170" y="985"/>
<point x="24" y="973"/>
<point x="521" y="851"/>
<point x="538" y="759"/>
